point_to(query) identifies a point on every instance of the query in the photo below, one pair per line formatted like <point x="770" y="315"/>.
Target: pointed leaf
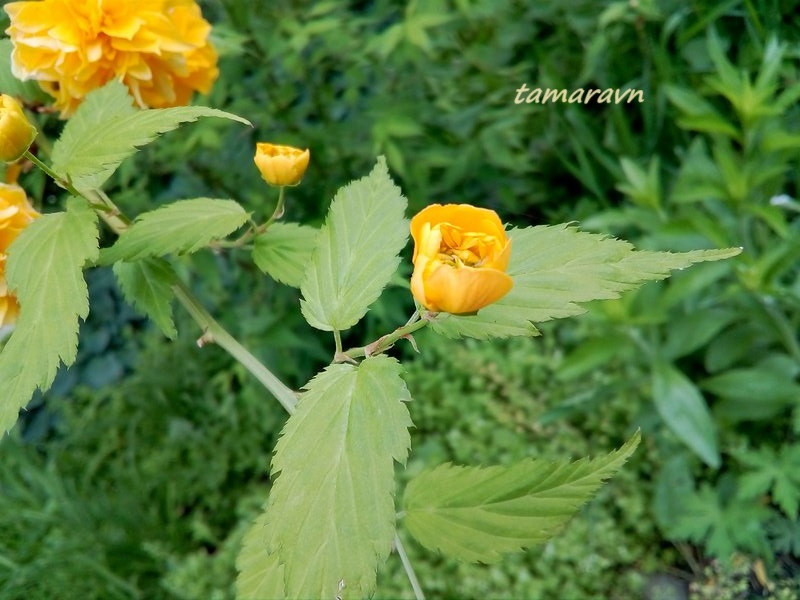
<point x="284" y="252"/>
<point x="479" y="513"/>
<point x="147" y="285"/>
<point x="181" y="227"/>
<point x="261" y="575"/>
<point x="685" y="412"/>
<point x="557" y="267"/>
<point x="106" y="129"/>
<point x="330" y="516"/>
<point x="357" y="251"/>
<point x="44" y="269"/>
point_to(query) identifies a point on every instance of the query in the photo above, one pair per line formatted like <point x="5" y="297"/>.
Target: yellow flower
<point x="15" y="215"/>
<point x="16" y="132"/>
<point x="461" y="253"/>
<point x="281" y="165"/>
<point x="158" y="48"/>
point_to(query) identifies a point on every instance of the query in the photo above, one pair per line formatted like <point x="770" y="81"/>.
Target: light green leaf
<point x="476" y="514"/>
<point x="555" y="268"/>
<point x="356" y="251"/>
<point x="330" y="516"/>
<point x="106" y="129"/>
<point x="284" y="252"/>
<point x="184" y="226"/>
<point x="44" y="269"/>
<point x="684" y="410"/>
<point x="261" y="575"/>
<point x="147" y="285"/>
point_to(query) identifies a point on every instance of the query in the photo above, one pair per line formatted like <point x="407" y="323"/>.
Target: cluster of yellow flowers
<point x="461" y="252"/>
<point x="158" y="48"/>
<point x="16" y="213"/>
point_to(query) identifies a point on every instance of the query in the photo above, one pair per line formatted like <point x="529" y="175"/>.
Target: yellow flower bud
<point x="281" y="165"/>
<point x="16" y="132"/>
<point x="461" y="253"/>
<point x="16" y="214"/>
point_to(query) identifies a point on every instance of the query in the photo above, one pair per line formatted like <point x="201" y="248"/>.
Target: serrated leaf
<point x="722" y="527"/>
<point x="356" y="252"/>
<point x="147" y="285"/>
<point x="261" y="575"/>
<point x="106" y="129"/>
<point x="684" y="410"/>
<point x="44" y="269"/>
<point x="776" y="471"/>
<point x="476" y="514"/>
<point x="284" y="252"/>
<point x="555" y="268"/>
<point x="184" y="226"/>
<point x="330" y="516"/>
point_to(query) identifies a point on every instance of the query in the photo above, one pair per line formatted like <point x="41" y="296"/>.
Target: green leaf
<point x="776" y="471"/>
<point x="594" y="353"/>
<point x="44" y="269"/>
<point x="147" y="285"/>
<point x="757" y="385"/>
<point x="478" y="513"/>
<point x="695" y="330"/>
<point x="357" y="251"/>
<point x="184" y="226"/>
<point x="721" y="527"/>
<point x="330" y="515"/>
<point x="261" y="574"/>
<point x="684" y="410"/>
<point x="673" y="483"/>
<point x="284" y="252"/>
<point x="106" y="129"/>
<point x="557" y="267"/>
<point x="698" y="113"/>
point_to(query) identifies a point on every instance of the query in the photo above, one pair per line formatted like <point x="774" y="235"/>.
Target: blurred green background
<point x="137" y="474"/>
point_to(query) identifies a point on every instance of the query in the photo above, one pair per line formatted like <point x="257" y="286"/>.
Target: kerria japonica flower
<point x="159" y="49"/>
<point x="16" y="214"/>
<point x="461" y="254"/>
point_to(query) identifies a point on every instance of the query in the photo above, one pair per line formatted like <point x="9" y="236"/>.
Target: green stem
<point x="53" y="175"/>
<point x="253" y="231"/>
<point x="277" y="213"/>
<point x="412" y="577"/>
<point x="337" y="338"/>
<point x="384" y="343"/>
<point x="214" y="332"/>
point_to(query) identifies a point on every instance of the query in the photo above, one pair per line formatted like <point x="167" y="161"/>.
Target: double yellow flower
<point x="461" y="254"/>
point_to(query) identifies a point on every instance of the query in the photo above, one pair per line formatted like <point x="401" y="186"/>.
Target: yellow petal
<point x="464" y="216"/>
<point x="461" y="290"/>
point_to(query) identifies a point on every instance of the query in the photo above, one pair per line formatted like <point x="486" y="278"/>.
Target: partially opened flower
<point x="461" y="253"/>
<point x="158" y="48"/>
<point x="16" y="214"/>
<point x="16" y="132"/>
<point x="281" y="165"/>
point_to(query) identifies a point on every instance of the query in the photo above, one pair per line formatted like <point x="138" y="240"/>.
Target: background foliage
<point x="145" y="488"/>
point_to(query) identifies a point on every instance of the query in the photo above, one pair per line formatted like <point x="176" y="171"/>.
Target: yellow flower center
<point x="466" y="248"/>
